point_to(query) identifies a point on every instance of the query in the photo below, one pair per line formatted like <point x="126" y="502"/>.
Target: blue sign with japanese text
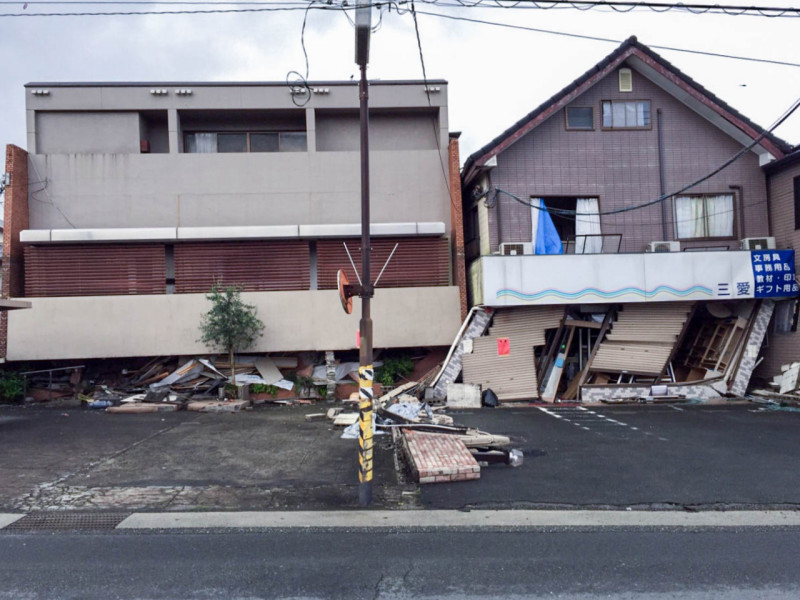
<point x="773" y="274"/>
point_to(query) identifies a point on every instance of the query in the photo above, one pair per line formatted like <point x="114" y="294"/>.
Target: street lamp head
<point x="363" y="27"/>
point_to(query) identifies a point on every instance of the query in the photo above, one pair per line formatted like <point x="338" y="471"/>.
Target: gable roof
<point x="658" y="70"/>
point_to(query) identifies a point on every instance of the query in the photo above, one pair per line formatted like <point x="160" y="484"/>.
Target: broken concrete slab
<point x="345" y="419"/>
<point x="216" y="406"/>
<point x="463" y="395"/>
<point x="141" y="408"/>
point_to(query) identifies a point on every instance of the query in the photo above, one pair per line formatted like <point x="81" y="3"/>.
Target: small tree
<point x="230" y="324"/>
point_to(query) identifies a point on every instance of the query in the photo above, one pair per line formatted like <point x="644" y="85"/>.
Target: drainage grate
<point x="67" y="520"/>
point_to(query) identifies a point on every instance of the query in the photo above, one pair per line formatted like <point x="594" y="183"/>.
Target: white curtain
<point x="689" y="217"/>
<point x="704" y="216"/>
<point x="719" y="211"/>
<point x="201" y="143"/>
<point x="587" y="227"/>
<point x="535" y="202"/>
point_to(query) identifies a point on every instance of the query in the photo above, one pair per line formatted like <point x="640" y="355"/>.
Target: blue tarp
<point x="547" y="239"/>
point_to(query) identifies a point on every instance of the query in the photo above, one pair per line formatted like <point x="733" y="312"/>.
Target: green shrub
<point x="263" y="388"/>
<point x="392" y="369"/>
<point x="12" y="386"/>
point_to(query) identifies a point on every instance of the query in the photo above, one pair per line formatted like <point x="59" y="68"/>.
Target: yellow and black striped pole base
<point x="366" y="374"/>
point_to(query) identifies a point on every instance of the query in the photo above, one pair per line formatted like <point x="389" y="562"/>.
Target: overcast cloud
<point x="496" y="75"/>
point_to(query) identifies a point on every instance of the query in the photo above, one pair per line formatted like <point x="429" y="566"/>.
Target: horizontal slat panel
<point x="417" y="262"/>
<point x="646" y="359"/>
<point x="642" y="338"/>
<point x="255" y="266"/>
<point x="94" y="270"/>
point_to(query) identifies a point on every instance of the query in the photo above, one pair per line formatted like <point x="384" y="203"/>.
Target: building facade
<point x="783" y="191"/>
<point x="141" y="196"/>
<point x="620" y="232"/>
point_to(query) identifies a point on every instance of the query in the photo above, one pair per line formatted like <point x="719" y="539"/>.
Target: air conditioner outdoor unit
<point x="664" y="247"/>
<point x="516" y="248"/>
<point x="763" y="243"/>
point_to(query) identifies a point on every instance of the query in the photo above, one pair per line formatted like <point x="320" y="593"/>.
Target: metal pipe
<point x="662" y="187"/>
<point x="366" y="372"/>
<point x="738" y="214"/>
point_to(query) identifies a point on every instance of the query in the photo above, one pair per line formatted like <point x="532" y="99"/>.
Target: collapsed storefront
<point x="683" y="338"/>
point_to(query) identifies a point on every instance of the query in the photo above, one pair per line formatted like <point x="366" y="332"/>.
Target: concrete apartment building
<point x="641" y="297"/>
<point x="132" y="199"/>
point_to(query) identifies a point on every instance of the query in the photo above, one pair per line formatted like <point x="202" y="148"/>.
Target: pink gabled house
<point x="662" y="196"/>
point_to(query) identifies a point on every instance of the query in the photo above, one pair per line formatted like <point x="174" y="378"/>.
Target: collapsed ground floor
<point x="612" y="352"/>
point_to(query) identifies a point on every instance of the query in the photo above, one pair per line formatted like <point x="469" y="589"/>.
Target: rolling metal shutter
<point x="94" y="270"/>
<point x="511" y="377"/>
<point x="418" y="262"/>
<point x="255" y="266"/>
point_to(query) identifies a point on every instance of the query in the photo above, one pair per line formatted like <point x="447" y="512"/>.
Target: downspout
<point x="739" y="214"/>
<point x="662" y="186"/>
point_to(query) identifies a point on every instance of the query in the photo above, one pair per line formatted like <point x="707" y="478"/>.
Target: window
<point x="705" y="216"/>
<point x="277" y="141"/>
<point x="796" y="182"/>
<point x="626" y="115"/>
<point x="580" y="117"/>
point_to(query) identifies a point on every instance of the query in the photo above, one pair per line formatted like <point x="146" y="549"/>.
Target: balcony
<point x="643" y="277"/>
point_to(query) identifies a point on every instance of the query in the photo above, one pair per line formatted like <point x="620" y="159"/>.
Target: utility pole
<point x="366" y="372"/>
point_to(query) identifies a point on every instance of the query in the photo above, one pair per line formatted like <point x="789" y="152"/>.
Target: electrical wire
<point x="428" y="96"/>
<point x="604" y="39"/>
<point x="615" y="5"/>
<point x="300" y="82"/>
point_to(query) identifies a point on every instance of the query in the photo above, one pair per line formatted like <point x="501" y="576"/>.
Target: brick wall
<point x="782" y="348"/>
<point x="16" y="219"/>
<point x="457" y="224"/>
<point x="620" y="167"/>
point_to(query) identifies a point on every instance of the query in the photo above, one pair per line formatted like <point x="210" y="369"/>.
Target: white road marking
<point x="8" y="519"/>
<point x="581" y="416"/>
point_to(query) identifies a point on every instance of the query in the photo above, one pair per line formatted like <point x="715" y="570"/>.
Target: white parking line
<point x="584" y="418"/>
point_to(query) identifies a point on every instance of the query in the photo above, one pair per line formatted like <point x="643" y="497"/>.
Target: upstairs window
<point x="704" y="216"/>
<point x="618" y="114"/>
<point x="580" y="117"/>
<point x="274" y="141"/>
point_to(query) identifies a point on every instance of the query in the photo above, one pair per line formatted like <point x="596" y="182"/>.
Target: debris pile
<point x="436" y="449"/>
<point x="608" y="352"/>
<point x="784" y="388"/>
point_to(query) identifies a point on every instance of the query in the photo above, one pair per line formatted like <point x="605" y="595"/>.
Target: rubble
<point x="784" y="388"/>
<point x="609" y="352"/>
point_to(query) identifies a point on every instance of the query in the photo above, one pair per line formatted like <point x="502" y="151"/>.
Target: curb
<point x="426" y="519"/>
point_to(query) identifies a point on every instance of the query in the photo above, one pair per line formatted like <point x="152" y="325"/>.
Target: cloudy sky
<point x="496" y="74"/>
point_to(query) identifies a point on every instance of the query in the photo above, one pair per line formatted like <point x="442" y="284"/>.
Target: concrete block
<point x="216" y="406"/>
<point x="463" y="395"/>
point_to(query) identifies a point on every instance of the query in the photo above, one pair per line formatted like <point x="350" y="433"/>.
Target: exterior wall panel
<point x="169" y="324"/>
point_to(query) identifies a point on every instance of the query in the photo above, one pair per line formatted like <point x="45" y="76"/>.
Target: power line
<point x="603" y="39"/>
<point x="616" y="5"/>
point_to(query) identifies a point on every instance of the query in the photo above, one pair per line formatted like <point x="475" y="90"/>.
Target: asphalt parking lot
<point x="272" y="458"/>
<point x="691" y="456"/>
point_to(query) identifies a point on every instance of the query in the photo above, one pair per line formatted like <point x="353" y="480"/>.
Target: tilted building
<point x="133" y="199"/>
